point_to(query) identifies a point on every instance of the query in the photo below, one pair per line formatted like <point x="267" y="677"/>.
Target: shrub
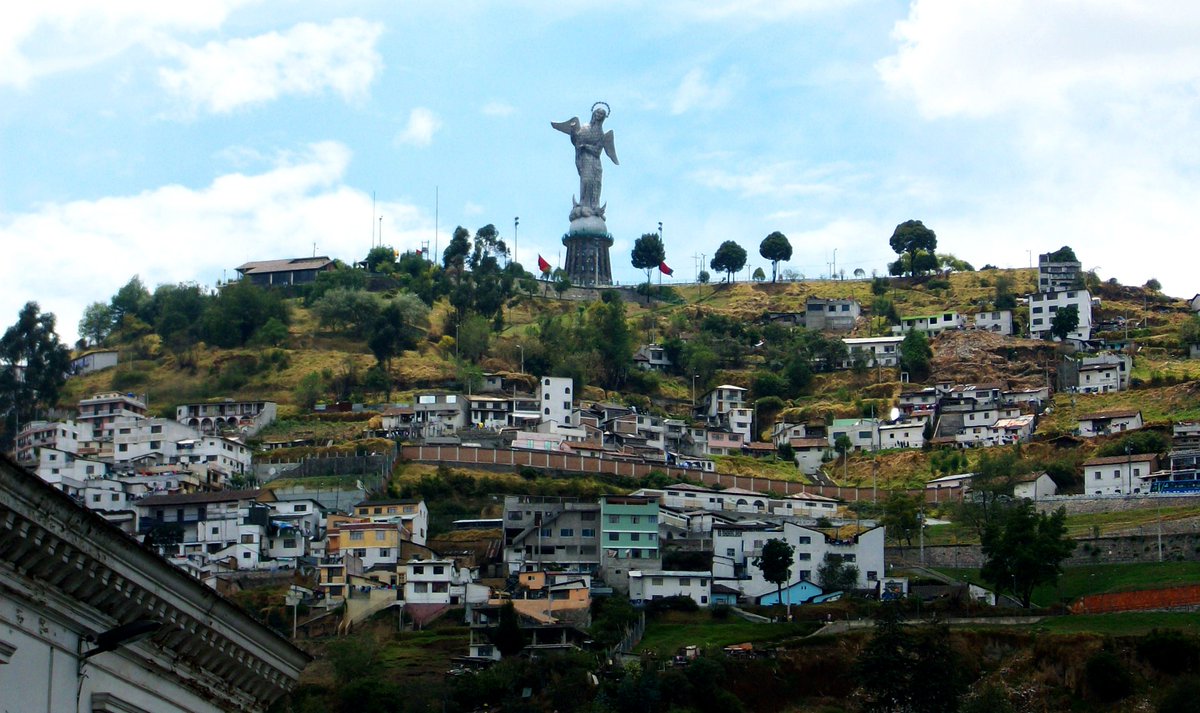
<point x="1171" y="652"/>
<point x="1107" y="677"/>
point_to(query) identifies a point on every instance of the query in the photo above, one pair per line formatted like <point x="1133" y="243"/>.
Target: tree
<point x="309" y="390"/>
<point x="775" y="562"/>
<point x="648" y="253"/>
<point x="349" y="311"/>
<point x="610" y="334"/>
<point x="1189" y="331"/>
<point x="758" y="275"/>
<point x="1064" y="321"/>
<point x="776" y="248"/>
<point x="1063" y="254"/>
<point x="33" y="364"/>
<point x="272" y="334"/>
<point x="97" y="322"/>
<point x="836" y="575"/>
<point x="381" y="258"/>
<point x="901" y="516"/>
<point x="132" y="299"/>
<point x="508" y="637"/>
<point x="704" y="277"/>
<point x="907" y="670"/>
<point x="1153" y="285"/>
<point x="562" y="283"/>
<point x="912" y="237"/>
<point x="1005" y="299"/>
<point x="1025" y="548"/>
<point x="916" y="355"/>
<point x="950" y="262"/>
<point x="398" y="327"/>
<point x="474" y="335"/>
<point x="729" y="258"/>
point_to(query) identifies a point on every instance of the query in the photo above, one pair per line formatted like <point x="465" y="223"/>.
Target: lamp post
<point x="516" y="222"/>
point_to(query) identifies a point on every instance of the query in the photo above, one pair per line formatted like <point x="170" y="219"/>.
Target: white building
<point x="1044" y="305"/>
<point x="555" y="395"/>
<point x="872" y="351"/>
<point x="64" y="436"/>
<point x="862" y="432"/>
<point x="735" y="546"/>
<point x="833" y="314"/>
<point x="809" y="453"/>
<point x="166" y="642"/>
<point x="1109" y="422"/>
<point x="441" y="581"/>
<point x="247" y="417"/>
<point x="648" y="586"/>
<point x="1056" y="275"/>
<point x="997" y="321"/>
<point x="94" y="360"/>
<point x="1118" y="475"/>
<point x="930" y="324"/>
<point x="1034" y="486"/>
<point x="651" y="357"/>
<point x="717" y="402"/>
<point x="98" y="412"/>
<point x="902" y="434"/>
<point x="686" y="497"/>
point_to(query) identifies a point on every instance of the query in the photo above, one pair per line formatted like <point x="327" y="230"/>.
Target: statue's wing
<point x="570" y="126"/>
<point x="610" y="148"/>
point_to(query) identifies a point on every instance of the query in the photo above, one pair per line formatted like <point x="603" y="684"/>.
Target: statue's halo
<point x="607" y="108"/>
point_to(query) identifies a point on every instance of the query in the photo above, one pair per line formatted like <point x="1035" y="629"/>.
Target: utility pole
<point x="516" y="222"/>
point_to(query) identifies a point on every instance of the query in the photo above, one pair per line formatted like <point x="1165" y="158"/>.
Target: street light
<point x="516" y="222"/>
<point x="120" y="636"/>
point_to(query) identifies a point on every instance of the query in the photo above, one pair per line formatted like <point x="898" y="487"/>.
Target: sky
<point x="176" y="141"/>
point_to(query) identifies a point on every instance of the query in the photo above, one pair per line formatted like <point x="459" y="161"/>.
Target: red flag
<point x="542" y="264"/>
<point x="662" y="267"/>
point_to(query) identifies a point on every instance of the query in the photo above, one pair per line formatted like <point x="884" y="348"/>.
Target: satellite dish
<point x="895" y="414"/>
<point x="271" y="470"/>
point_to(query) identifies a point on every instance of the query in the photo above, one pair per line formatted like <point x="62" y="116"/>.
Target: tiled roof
<point x="298" y="263"/>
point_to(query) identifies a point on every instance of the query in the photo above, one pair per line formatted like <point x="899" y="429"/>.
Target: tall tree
<point x="33" y="364"/>
<point x="132" y="299"/>
<point x="916" y="355"/>
<point x="912" y="237"/>
<point x="834" y="574"/>
<point x="1064" y="321"/>
<point x="1024" y="549"/>
<point x="508" y="636"/>
<point x="901" y="516"/>
<point x="909" y="670"/>
<point x="610" y="334"/>
<point x="648" y="253"/>
<point x="776" y="248"/>
<point x="775" y="562"/>
<point x="97" y="322"/>
<point x="398" y="327"/>
<point x="729" y="258"/>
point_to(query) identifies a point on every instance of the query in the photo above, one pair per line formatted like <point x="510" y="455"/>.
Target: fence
<point x="1168" y="598"/>
<point x="511" y="459"/>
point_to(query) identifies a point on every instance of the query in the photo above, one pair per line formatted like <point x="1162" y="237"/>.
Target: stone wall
<point x="1089" y="550"/>
<point x="1087" y="504"/>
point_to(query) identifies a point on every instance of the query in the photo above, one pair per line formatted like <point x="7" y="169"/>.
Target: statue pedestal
<point x="587" y="252"/>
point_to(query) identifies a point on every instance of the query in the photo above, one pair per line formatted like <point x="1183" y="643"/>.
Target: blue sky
<point x="176" y="141"/>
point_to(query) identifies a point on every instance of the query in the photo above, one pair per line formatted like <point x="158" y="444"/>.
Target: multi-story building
<point x="439" y="414"/>
<point x="441" y="581"/>
<point x="412" y="513"/>
<point x="158" y="441"/>
<point x="717" y="402"/>
<point x="651" y="357"/>
<point x="228" y="525"/>
<point x="555" y="395"/>
<point x="649" y="586"/>
<point x="1118" y="475"/>
<point x="687" y="497"/>
<point x="998" y="321"/>
<point x="244" y="417"/>
<point x="831" y="314"/>
<point x="63" y="436"/>
<point x="872" y="352"/>
<point x="1094" y="373"/>
<point x="736" y="545"/>
<point x="542" y="532"/>
<point x="629" y="526"/>
<point x="1043" y="306"/>
<point x="1109" y="422"/>
<point x="862" y="432"/>
<point x="1057" y="275"/>
<point x="98" y="412"/>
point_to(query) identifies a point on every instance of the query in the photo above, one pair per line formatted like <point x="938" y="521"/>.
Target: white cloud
<point x="1072" y="101"/>
<point x="498" y="109"/>
<point x="307" y="59"/>
<point x="778" y="180"/>
<point x="422" y="125"/>
<point x="696" y="92"/>
<point x="176" y="233"/>
<point x="38" y="39"/>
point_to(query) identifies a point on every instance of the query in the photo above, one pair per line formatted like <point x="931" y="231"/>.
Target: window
<point x="1096" y="475"/>
<point x="380" y="535"/>
<point x="635" y="519"/>
<point x="566" y="404"/>
<point x="291" y="543"/>
<point x="156" y="444"/>
<point x="123" y="447"/>
<point x="656" y="581"/>
<point x="613" y="537"/>
<point x="872" y="575"/>
<point x="545" y="397"/>
<point x="420" y="587"/>
<point x="115" y="497"/>
<point x="566" y="532"/>
<point x="685" y="581"/>
<point x="357" y="535"/>
<point x="546" y="532"/>
<point x="703" y="599"/>
<point x="546" y="411"/>
<point x="156" y="429"/>
<point x="805" y="575"/>
<point x="804" y="556"/>
<point x="245" y="555"/>
<point x="216" y="530"/>
<point x="849" y="558"/>
<point x="418" y="569"/>
<point x="514" y="515"/>
<point x="588" y="516"/>
<point x="635" y="537"/>
<point x="439" y="569"/>
<point x="96" y="498"/>
<point x="729" y="552"/>
<point x="614" y="519"/>
<point x="301" y="508"/>
<point x="652" y="536"/>
<point x="247" y="539"/>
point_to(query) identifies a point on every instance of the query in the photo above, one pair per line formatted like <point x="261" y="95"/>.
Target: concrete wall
<point x="1087" y="504"/>
<point x="1090" y="550"/>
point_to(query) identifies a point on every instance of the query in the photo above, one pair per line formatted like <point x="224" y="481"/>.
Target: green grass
<point x="1108" y="522"/>
<point x="1101" y="578"/>
<point x="670" y="632"/>
<point x="1125" y="623"/>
